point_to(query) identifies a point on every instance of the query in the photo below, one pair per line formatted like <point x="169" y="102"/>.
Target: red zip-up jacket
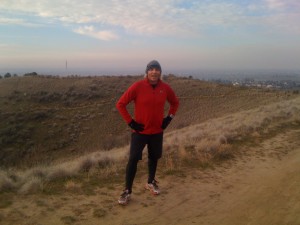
<point x="149" y="103"/>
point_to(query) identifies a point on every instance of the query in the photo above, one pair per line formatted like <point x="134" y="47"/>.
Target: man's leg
<point x="130" y="173"/>
<point x="154" y="153"/>
<point x="152" y="165"/>
<point x="155" y="145"/>
<point x="137" y="145"/>
<point x="136" y="149"/>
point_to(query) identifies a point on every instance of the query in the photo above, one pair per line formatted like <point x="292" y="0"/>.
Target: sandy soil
<point x="260" y="187"/>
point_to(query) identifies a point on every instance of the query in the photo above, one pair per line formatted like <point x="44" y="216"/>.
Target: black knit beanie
<point x="153" y="64"/>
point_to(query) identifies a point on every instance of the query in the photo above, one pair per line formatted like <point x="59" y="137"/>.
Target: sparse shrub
<point x="86" y="164"/>
<point x="68" y="219"/>
<point x="30" y="74"/>
<point x="114" y="141"/>
<point x="222" y="139"/>
<point x="5" y="203"/>
<point x="7" y="75"/>
<point x="99" y="213"/>
<point x="72" y="88"/>
<point x="104" y="162"/>
<point x="60" y="172"/>
<point x="70" y="185"/>
<point x="224" y="152"/>
<point x="169" y="163"/>
<point x="40" y="115"/>
<point x="209" y="146"/>
<point x="6" y="183"/>
<point x="38" y="172"/>
<point x="34" y="185"/>
<point x="182" y="153"/>
<point x="173" y="158"/>
<point x="231" y="136"/>
<point x="190" y="149"/>
<point x="93" y="87"/>
<point x="68" y="102"/>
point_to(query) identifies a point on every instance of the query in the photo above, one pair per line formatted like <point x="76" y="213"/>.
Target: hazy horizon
<point x="201" y="73"/>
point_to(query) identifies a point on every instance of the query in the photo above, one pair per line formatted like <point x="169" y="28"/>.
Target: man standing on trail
<point x="149" y="96"/>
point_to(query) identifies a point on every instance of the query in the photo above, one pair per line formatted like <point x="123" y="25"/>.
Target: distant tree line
<point x="8" y="75"/>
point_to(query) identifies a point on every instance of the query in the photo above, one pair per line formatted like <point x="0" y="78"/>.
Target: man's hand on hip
<point x="136" y="126"/>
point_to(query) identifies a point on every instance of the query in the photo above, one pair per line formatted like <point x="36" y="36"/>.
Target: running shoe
<point x="153" y="187"/>
<point x="124" y="198"/>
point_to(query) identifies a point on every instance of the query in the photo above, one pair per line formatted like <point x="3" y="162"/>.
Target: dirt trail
<point x="261" y="187"/>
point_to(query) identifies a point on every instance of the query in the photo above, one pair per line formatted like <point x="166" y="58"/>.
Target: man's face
<point x="153" y="75"/>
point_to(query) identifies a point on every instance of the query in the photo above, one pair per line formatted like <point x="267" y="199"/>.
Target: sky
<point x="121" y="36"/>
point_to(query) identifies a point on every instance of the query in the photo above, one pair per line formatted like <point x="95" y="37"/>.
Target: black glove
<point x="166" y="122"/>
<point x="136" y="126"/>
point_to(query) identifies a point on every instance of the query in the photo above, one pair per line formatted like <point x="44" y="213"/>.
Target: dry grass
<point x="71" y="185"/>
<point x="74" y="134"/>
<point x="74" y="116"/>
<point x="196" y="145"/>
<point x="103" y="164"/>
<point x="213" y="139"/>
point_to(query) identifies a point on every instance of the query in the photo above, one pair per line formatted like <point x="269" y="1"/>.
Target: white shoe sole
<point x="150" y="189"/>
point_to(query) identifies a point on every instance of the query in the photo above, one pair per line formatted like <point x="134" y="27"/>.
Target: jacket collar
<point x="147" y="81"/>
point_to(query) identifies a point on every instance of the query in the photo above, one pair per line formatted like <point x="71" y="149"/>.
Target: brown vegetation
<point x="61" y="138"/>
<point x="59" y="128"/>
<point x="44" y="119"/>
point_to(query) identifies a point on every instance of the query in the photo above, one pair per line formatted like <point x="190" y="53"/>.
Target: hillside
<point x="47" y="119"/>
<point x="241" y="168"/>
<point x="231" y="155"/>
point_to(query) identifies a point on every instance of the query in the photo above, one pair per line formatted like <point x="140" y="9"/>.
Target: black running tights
<point x="132" y="168"/>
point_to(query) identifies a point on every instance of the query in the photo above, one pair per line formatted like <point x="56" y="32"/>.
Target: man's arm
<point x="173" y="101"/>
<point x="121" y="105"/>
<point x="174" y="104"/>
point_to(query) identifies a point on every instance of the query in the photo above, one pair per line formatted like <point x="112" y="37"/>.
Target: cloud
<point x="90" y="31"/>
<point x="17" y="21"/>
<point x="168" y="18"/>
<point x="283" y="15"/>
<point x="283" y="4"/>
<point x="11" y="21"/>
